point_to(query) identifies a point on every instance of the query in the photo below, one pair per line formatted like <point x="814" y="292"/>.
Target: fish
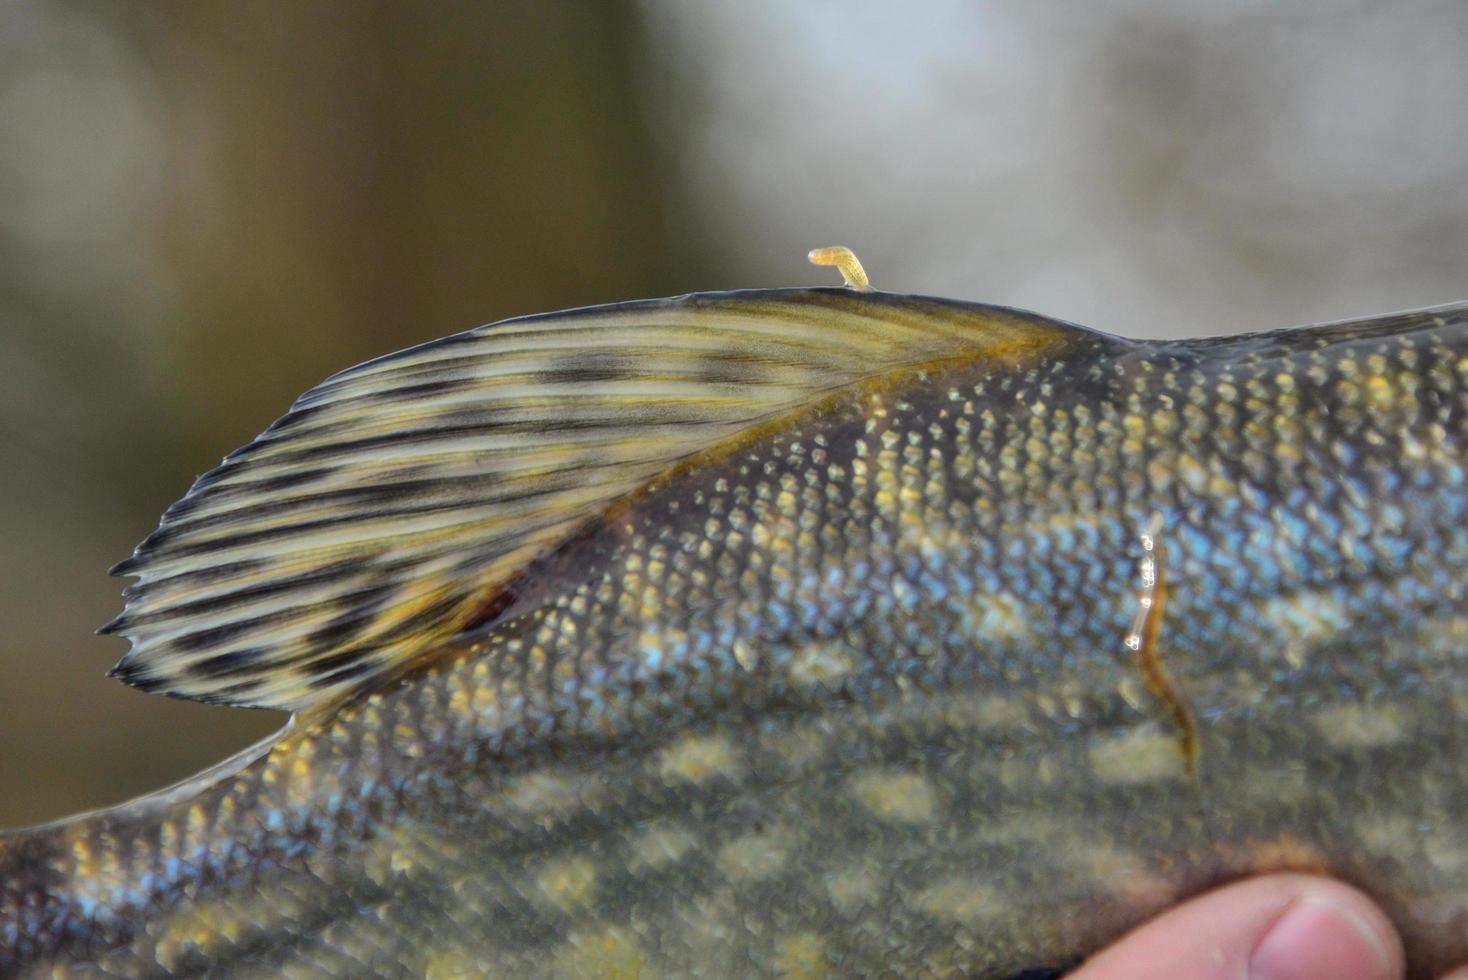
<point x="794" y="632"/>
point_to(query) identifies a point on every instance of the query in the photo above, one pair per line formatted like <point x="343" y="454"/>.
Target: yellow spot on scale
<point x="195" y="827"/>
<point x="85" y="865"/>
<point x="802" y="956"/>
<point x="1142" y="755"/>
<point x="753" y="857"/>
<point x="460" y="704"/>
<point x="1380" y="393"/>
<point x="821" y="664"/>
<point x="299" y="786"/>
<point x="744" y="655"/>
<point x="699" y="759"/>
<point x="398" y="854"/>
<point x="485" y="701"/>
<point x="185" y="931"/>
<point x="99" y="874"/>
<point x="454" y="962"/>
<point x="987" y="713"/>
<point x="550" y="794"/>
<point x="899" y="797"/>
<point x="567" y="883"/>
<point x="1192" y="473"/>
<point x="963" y="901"/>
<point x="1165" y="422"/>
<point x="851" y="888"/>
<point x="1001" y="616"/>
<point x="1360" y="726"/>
<point x="612" y="954"/>
<point x="661" y="844"/>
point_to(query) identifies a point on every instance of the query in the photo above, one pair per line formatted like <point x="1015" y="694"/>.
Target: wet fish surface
<point x="781" y="633"/>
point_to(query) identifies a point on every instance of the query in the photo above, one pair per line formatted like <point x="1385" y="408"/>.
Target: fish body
<point x="835" y="685"/>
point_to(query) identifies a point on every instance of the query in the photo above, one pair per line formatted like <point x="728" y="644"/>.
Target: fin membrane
<point x="394" y="501"/>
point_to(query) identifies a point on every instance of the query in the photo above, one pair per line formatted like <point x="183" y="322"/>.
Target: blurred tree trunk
<point x="358" y="176"/>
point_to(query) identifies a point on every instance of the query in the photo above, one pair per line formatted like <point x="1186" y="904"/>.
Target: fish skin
<point x="851" y="698"/>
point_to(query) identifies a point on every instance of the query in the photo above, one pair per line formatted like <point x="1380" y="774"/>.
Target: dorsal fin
<point x="389" y="506"/>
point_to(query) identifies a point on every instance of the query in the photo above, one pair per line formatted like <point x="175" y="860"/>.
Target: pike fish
<point x="794" y="632"/>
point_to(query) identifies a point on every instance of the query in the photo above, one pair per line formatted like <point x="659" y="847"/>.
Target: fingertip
<point x="1329" y="931"/>
<point x="1275" y="927"/>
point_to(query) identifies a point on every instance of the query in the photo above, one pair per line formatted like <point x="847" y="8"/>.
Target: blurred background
<point x="206" y="207"/>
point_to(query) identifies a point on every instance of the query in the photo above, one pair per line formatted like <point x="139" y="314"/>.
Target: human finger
<point x="1276" y="927"/>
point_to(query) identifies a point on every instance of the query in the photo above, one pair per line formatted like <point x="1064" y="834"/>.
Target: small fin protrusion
<point x="846" y="262"/>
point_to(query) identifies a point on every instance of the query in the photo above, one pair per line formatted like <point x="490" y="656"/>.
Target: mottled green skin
<point x="853" y="699"/>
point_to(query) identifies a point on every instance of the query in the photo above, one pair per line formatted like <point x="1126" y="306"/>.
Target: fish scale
<point x="848" y="695"/>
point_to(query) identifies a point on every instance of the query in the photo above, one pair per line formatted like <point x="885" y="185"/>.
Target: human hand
<point x="1276" y="927"/>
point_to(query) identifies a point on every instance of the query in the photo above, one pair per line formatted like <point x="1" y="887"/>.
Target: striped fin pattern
<point x="394" y="501"/>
